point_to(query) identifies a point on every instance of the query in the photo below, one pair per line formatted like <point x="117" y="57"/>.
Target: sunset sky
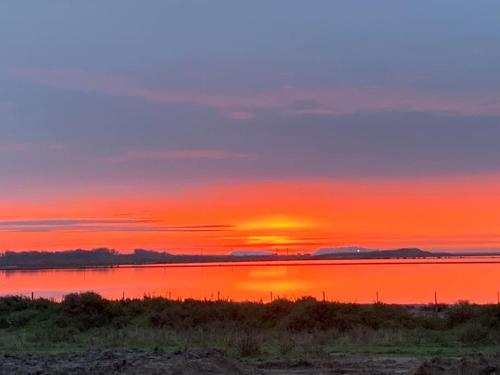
<point x="208" y="126"/>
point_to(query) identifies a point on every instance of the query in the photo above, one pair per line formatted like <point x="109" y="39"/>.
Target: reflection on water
<point x="400" y="281"/>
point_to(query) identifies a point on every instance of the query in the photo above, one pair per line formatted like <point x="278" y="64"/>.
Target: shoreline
<point x="278" y="261"/>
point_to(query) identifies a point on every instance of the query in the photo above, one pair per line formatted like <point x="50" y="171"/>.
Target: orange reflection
<point x="399" y="282"/>
<point x="273" y="280"/>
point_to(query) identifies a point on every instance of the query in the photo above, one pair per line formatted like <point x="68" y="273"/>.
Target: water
<point x="395" y="281"/>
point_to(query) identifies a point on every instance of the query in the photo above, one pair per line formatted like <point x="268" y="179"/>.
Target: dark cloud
<point x="103" y="225"/>
<point x="64" y="222"/>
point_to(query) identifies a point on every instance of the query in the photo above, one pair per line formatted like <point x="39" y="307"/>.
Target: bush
<point x="381" y="315"/>
<point x="21" y="318"/>
<point x="460" y="313"/>
<point x="474" y="333"/>
<point x="170" y="317"/>
<point x="286" y="345"/>
<point x="275" y="311"/>
<point x="86" y="310"/>
<point x="13" y="303"/>
<point x="84" y="304"/>
<point x="490" y="316"/>
<point x="248" y="345"/>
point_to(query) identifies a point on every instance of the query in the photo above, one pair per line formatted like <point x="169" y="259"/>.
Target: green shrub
<point x="490" y="316"/>
<point x="86" y="310"/>
<point x="88" y="303"/>
<point x="473" y="333"/>
<point x="248" y="345"/>
<point x="22" y="318"/>
<point x="460" y="313"/>
<point x="13" y="303"/>
<point x="286" y="345"/>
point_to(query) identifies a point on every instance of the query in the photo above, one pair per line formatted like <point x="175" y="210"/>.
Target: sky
<point x="208" y="126"/>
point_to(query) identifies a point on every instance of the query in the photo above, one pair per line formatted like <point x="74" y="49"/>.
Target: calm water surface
<point x="395" y="281"/>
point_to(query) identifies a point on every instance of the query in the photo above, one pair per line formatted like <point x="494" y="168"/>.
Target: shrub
<point x="460" y="313"/>
<point x="170" y="317"/>
<point x="13" y="303"/>
<point x="21" y="318"/>
<point x="490" y="316"/>
<point x="473" y="333"/>
<point x="86" y="310"/>
<point x="248" y="345"/>
<point x="382" y="315"/>
<point x="83" y="303"/>
<point x="275" y="311"/>
<point x="286" y="345"/>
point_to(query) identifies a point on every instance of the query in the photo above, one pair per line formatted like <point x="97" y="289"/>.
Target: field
<point x="292" y="332"/>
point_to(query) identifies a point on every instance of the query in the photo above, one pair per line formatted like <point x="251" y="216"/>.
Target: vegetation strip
<point x="282" y="328"/>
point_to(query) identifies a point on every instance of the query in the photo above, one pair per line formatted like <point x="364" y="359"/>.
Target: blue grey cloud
<point x="268" y="101"/>
<point x="103" y="225"/>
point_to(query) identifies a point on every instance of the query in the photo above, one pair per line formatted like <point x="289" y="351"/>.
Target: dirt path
<point x="215" y="362"/>
<point x="345" y="364"/>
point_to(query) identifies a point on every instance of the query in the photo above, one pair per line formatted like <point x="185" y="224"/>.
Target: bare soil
<point x="216" y="362"/>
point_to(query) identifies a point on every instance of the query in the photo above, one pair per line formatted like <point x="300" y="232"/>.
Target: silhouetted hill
<point x="383" y="254"/>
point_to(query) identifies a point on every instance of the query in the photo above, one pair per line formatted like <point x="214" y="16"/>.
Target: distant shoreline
<point x="108" y="259"/>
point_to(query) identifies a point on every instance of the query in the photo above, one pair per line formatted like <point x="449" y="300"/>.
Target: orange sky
<point x="252" y="128"/>
<point x="447" y="213"/>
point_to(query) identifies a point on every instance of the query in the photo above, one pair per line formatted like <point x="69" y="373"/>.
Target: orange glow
<point x="276" y="222"/>
<point x="270" y="240"/>
<point x="452" y="213"/>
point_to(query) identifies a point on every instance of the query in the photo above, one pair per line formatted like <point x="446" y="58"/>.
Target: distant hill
<point x="370" y="254"/>
<point x="406" y="253"/>
<point x="341" y="250"/>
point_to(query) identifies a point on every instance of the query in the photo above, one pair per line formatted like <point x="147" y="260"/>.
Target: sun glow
<point x="271" y="240"/>
<point x="277" y="222"/>
<point x="441" y="214"/>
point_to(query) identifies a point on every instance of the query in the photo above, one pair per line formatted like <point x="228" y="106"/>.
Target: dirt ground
<point x="215" y="362"/>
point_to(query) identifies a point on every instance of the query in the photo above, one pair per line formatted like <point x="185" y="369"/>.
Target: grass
<point x="282" y="329"/>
